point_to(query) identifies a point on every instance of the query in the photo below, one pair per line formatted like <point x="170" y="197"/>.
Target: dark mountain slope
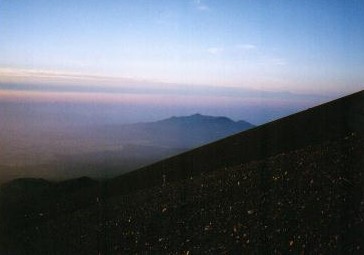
<point x="325" y="122"/>
<point x="306" y="201"/>
<point x="293" y="186"/>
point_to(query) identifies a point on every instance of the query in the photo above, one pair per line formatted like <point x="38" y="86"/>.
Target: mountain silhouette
<point x="182" y="132"/>
<point x="141" y="144"/>
<point x="292" y="186"/>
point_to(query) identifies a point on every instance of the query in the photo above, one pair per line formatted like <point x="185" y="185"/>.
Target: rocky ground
<point x="307" y="201"/>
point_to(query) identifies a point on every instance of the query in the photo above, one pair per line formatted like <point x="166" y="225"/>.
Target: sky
<point x="217" y="57"/>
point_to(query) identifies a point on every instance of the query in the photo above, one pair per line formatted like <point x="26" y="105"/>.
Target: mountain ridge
<point x="297" y="182"/>
<point x="115" y="149"/>
<point x="181" y="132"/>
<point x="336" y="118"/>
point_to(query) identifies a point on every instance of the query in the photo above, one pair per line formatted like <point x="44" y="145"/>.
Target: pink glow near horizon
<point x="141" y="99"/>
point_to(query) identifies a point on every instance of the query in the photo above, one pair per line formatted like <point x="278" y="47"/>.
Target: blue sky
<point x="260" y="49"/>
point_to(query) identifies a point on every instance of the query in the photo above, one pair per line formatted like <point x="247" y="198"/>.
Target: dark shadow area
<point x="292" y="186"/>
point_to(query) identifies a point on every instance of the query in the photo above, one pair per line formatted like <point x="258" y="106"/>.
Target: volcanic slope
<point x="293" y="186"/>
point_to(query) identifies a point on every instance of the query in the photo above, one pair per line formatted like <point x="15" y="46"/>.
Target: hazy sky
<point x="221" y="53"/>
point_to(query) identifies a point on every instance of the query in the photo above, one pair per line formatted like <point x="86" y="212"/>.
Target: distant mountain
<point x="108" y="151"/>
<point x="135" y="145"/>
<point x="184" y="132"/>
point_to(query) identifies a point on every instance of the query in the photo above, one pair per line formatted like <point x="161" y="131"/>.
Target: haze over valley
<point x="59" y="149"/>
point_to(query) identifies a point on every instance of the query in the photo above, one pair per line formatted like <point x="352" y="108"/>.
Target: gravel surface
<point x="307" y="201"/>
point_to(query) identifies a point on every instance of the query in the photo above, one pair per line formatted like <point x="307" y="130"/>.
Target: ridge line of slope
<point x="324" y="122"/>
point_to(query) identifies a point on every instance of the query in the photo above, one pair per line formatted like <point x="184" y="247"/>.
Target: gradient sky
<point x="259" y="52"/>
